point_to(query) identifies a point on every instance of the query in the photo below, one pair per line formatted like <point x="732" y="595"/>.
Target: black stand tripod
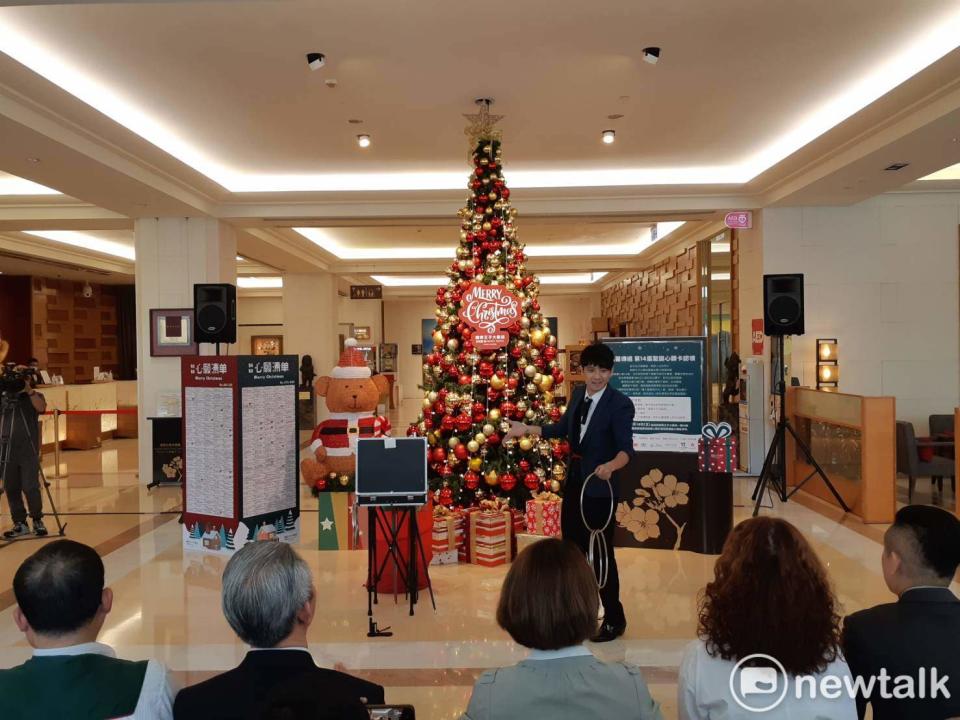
<point x="10" y="411"/>
<point x="391" y="525"/>
<point x="774" y="470"/>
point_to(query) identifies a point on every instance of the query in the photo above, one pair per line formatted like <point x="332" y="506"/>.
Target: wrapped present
<point x="717" y="448"/>
<point x="490" y="536"/>
<point x="543" y="515"/>
<point x="525" y="540"/>
<point x="447" y="535"/>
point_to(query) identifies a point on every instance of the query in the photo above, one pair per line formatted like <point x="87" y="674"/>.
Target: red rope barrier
<point x="118" y="411"/>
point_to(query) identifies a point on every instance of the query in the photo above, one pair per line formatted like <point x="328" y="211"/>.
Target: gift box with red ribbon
<point x="447" y="537"/>
<point x="543" y="515"/>
<point x="717" y="448"/>
<point x="488" y="534"/>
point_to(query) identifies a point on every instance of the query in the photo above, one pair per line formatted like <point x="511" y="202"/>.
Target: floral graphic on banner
<point x="657" y="496"/>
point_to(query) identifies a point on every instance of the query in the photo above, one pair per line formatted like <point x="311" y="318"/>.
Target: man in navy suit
<point x="598" y="424"/>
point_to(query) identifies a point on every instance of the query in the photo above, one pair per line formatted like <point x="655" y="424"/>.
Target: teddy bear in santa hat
<point x="352" y="394"/>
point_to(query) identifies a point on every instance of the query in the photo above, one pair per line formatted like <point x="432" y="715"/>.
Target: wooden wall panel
<point x="663" y="300"/>
<point x="73" y="334"/>
<point x="15" y="315"/>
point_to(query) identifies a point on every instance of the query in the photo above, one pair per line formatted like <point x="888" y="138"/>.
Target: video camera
<point x="14" y="378"/>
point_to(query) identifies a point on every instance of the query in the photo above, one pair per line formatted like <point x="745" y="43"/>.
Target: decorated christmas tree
<point x="494" y="357"/>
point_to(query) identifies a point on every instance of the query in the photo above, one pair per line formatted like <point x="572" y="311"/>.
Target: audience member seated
<point x="549" y="603"/>
<point x="269" y="601"/>
<point x="770" y="596"/>
<point x="61" y="607"/>
<point x="921" y="553"/>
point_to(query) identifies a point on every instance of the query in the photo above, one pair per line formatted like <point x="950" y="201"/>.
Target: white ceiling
<point x="135" y="109"/>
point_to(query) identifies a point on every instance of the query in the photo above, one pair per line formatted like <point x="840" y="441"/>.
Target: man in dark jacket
<point x="598" y="425"/>
<point x="918" y="636"/>
<point x="269" y="601"/>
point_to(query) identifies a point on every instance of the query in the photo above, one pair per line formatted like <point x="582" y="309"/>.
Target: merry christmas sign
<point x="490" y="310"/>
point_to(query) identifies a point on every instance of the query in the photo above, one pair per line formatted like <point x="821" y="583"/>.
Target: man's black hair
<point x="60" y="587"/>
<point x="936" y="532"/>
<point x="597" y="354"/>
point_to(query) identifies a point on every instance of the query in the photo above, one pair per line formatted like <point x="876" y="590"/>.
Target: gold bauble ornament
<point x="504" y="428"/>
<point x="480" y="438"/>
<point x="525" y="323"/>
<point x="437" y="370"/>
<point x="426" y="403"/>
<point x="537" y="379"/>
<point x="473" y="446"/>
<point x="522" y="405"/>
<point x="547" y="397"/>
<point x="526" y="444"/>
<point x="438" y="338"/>
<point x="497" y="382"/>
<point x="489" y="211"/>
<point x="489" y="429"/>
<point x="552" y="340"/>
<point x="554" y="486"/>
<point x="540" y="473"/>
<point x="453" y="442"/>
<point x="492" y="197"/>
<point x="530" y="414"/>
<point x="344" y="480"/>
<point x="432" y="395"/>
<point x="452" y="344"/>
<point x="494" y="415"/>
<point x="487" y="226"/>
<point x="491" y="477"/>
<point x="546" y="383"/>
<point x="559" y="472"/>
<point x="531" y="389"/>
<point x="536" y="318"/>
<point x="475" y="462"/>
<point x="432" y="438"/>
<point x="530" y="370"/>
<point x="537" y="337"/>
<point x="522" y="363"/>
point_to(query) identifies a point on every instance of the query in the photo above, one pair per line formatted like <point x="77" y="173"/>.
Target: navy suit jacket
<point x="610" y="431"/>
<point x="922" y="629"/>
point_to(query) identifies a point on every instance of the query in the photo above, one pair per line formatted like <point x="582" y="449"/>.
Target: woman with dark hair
<point x="770" y="597"/>
<point x="549" y="603"/>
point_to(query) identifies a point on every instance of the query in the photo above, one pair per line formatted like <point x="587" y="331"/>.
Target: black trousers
<point x="596" y="511"/>
<point x="22" y="477"/>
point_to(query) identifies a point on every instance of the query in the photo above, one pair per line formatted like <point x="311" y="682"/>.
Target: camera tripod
<point x="10" y="413"/>
<point x="774" y="470"/>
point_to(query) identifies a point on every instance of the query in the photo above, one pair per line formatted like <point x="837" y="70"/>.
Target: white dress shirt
<point x="703" y="692"/>
<point x="593" y="406"/>
<point x="156" y="693"/>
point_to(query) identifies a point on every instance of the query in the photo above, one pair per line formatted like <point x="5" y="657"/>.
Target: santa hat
<point x="351" y="365"/>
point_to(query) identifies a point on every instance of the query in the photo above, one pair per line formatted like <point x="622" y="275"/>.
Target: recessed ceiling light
<point x="609" y="136"/>
<point x="239" y="258"/>
<point x="363" y="141"/>
<point x="259" y="282"/>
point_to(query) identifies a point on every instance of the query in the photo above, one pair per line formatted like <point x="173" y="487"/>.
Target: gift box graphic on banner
<point x="717" y="448"/>
<point x="543" y="515"/>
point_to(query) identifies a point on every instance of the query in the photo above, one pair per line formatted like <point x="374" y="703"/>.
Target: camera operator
<point x="22" y="471"/>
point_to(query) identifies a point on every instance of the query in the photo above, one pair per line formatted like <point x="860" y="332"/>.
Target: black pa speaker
<point x="783" y="305"/>
<point x="215" y="313"/>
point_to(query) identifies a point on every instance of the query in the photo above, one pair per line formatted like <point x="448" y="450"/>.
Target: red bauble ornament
<point x="412" y="430"/>
<point x="493" y="395"/>
<point x="531" y="481"/>
<point x="464" y="380"/>
<point x="438" y="455"/>
<point x="524" y="465"/>
<point x="442" y="395"/>
<point x="448" y="423"/>
<point x="555" y="414"/>
<point x="557" y="451"/>
<point x="505" y="194"/>
<point x="486" y="369"/>
<point x="476" y="185"/>
<point x="478" y="172"/>
<point x="428" y="423"/>
<point x="471" y="480"/>
<point x="478" y="407"/>
<point x="550" y="352"/>
<point x="479" y="417"/>
<point x="461" y="452"/>
<point x="446" y="471"/>
<point x="446" y="496"/>
<point x="508" y="482"/>
<point x="512" y="382"/>
<point x="452" y="371"/>
<point x="515" y="352"/>
<point x="508" y="409"/>
<point x="321" y="484"/>
<point x="493" y="440"/>
<point x="464" y="423"/>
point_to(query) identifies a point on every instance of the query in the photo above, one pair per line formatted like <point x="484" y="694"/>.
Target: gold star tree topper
<point x="482" y="123"/>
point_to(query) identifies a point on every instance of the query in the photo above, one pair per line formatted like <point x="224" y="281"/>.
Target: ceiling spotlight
<point x="651" y="55"/>
<point x="316" y="60"/>
<point x="609" y="136"/>
<point x="363" y="141"/>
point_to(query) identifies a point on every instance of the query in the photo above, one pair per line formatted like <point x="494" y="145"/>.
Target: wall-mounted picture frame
<point x="361" y="332"/>
<point x="171" y="332"/>
<point x="266" y="345"/>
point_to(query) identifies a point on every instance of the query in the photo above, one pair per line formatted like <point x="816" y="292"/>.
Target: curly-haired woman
<point x="770" y="596"/>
